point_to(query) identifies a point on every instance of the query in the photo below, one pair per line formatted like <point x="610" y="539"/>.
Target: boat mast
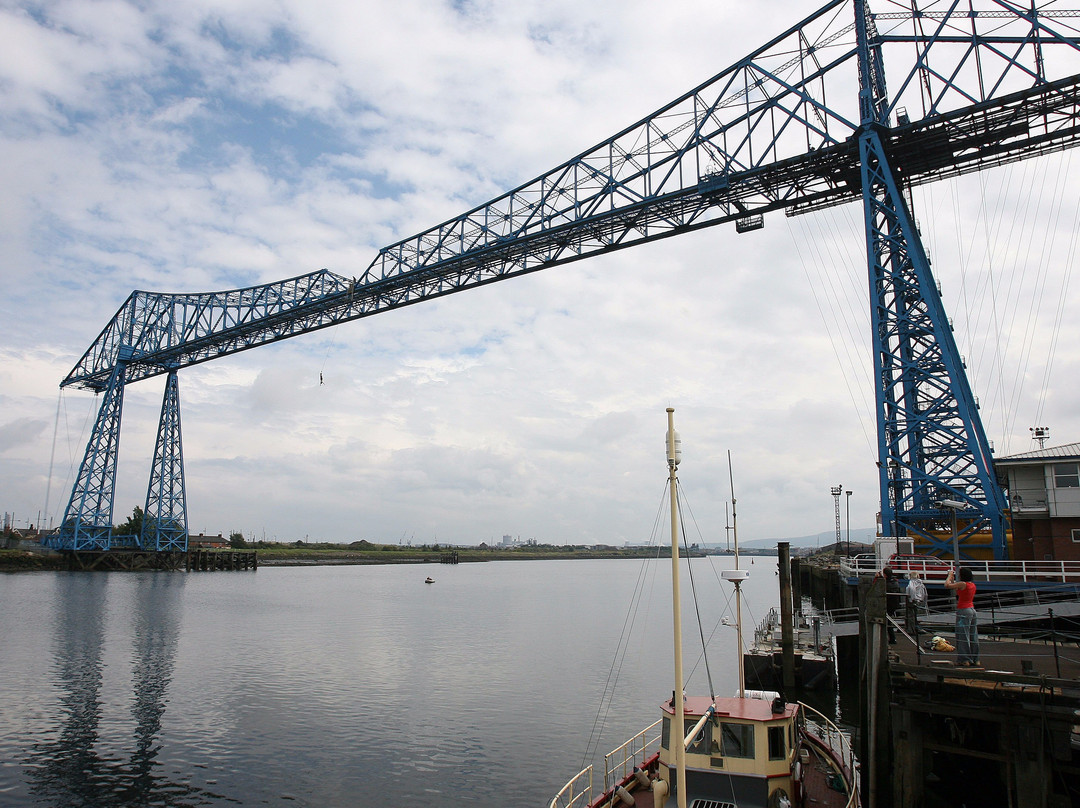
<point x="679" y="721"/>
<point x="736" y="576"/>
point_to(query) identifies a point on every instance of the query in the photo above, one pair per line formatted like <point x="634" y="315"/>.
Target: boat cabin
<point x="742" y="755"/>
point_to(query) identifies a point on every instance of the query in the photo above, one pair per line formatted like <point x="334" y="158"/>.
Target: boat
<point x="751" y="750"/>
<point x="429" y="580"/>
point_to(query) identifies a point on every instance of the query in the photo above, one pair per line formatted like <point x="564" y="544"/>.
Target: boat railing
<point x="578" y="792"/>
<point x="825" y="730"/>
<point x="620" y="762"/>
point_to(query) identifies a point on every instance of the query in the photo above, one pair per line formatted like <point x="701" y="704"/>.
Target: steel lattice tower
<point x="87" y="521"/>
<point x="165" y="526"/>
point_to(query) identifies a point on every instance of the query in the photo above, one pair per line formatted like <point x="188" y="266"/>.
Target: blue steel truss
<point x="931" y="442"/>
<point x="790" y="127"/>
<point x="165" y="524"/>
<point x="87" y="521"/>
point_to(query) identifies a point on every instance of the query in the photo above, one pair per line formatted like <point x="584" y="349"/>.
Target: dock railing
<point x="1024" y="571"/>
<point x="993" y="607"/>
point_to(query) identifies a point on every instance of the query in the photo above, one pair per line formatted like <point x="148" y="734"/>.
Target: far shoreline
<point x="308" y="556"/>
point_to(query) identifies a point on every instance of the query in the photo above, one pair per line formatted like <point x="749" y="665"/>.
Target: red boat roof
<point x="747" y="709"/>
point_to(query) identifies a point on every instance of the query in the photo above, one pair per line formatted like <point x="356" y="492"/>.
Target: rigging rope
<point x="693" y="590"/>
<point x="1005" y="264"/>
<point x="52" y="453"/>
<point x="855" y="368"/>
<point x="618" y="660"/>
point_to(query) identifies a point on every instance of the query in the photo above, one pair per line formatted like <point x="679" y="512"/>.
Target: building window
<point x="1067" y="475"/>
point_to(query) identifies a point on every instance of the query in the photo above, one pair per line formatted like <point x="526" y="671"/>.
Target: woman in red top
<point x="967" y="627"/>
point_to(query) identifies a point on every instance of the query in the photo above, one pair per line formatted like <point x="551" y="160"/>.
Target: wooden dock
<point x="217" y="560"/>
<point x="934" y="733"/>
<point x="134" y="560"/>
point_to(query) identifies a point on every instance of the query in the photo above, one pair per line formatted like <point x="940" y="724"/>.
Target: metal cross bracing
<point x="87" y="521"/>
<point x="806" y="121"/>
<point x="164" y="526"/>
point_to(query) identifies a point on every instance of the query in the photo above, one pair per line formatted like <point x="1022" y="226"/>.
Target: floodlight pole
<point x="836" y="490"/>
<point x="848" y="492"/>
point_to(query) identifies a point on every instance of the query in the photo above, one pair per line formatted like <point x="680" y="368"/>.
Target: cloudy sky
<point x="197" y="146"/>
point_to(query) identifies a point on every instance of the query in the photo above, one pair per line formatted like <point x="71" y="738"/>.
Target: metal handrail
<point x="1027" y="571"/>
<point x="619" y="761"/>
<point x="829" y="733"/>
<point x="984" y="601"/>
<point x="569" y="796"/>
<point x="633" y="751"/>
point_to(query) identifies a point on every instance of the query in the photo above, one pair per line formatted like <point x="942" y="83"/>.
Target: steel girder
<point x="932" y="445"/>
<point x="152" y="328"/>
<point x="782" y="129"/>
<point x="931" y="441"/>
<point x="165" y="524"/>
<point x="776" y="130"/>
<point x="87" y="521"/>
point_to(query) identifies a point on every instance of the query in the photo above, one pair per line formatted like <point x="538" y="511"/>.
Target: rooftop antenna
<point x="1040" y="434"/>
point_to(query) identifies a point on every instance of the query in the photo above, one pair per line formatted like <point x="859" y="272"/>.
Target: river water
<point x="345" y="685"/>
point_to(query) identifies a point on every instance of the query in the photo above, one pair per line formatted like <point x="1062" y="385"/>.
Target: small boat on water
<point x="429" y="580"/>
<point x="752" y="750"/>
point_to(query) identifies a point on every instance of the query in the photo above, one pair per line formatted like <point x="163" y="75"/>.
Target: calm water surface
<point x="342" y="686"/>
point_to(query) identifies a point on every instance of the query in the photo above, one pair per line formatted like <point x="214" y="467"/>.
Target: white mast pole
<point x="677" y="731"/>
<point x="737" y="581"/>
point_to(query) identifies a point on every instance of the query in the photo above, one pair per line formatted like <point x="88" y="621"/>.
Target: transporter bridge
<point x="856" y="103"/>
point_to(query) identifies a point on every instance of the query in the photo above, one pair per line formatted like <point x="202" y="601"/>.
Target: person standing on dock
<point x="967" y="627"/>
<point x="916" y="599"/>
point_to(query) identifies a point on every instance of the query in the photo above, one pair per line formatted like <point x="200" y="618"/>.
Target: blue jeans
<point x="967" y="636"/>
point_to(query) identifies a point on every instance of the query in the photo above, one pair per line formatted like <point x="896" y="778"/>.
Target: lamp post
<point x="953" y="505"/>
<point x="848" y="492"/>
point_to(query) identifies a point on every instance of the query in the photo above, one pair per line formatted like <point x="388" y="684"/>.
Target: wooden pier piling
<point x="787" y="638"/>
<point x="214" y="560"/>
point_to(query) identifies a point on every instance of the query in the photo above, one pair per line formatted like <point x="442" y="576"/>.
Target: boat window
<point x="665" y="733"/>
<point x="738" y="740"/>
<point x="702" y="741"/>
<point x="776" y="743"/>
<point x="1067" y="475"/>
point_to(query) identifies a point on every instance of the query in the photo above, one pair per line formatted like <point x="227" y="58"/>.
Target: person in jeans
<point x="916" y="600"/>
<point x="967" y="627"/>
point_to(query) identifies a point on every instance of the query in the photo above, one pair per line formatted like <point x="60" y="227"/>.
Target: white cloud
<point x="201" y="146"/>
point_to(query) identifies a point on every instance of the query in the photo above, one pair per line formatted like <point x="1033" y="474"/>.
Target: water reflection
<point x="81" y="764"/>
